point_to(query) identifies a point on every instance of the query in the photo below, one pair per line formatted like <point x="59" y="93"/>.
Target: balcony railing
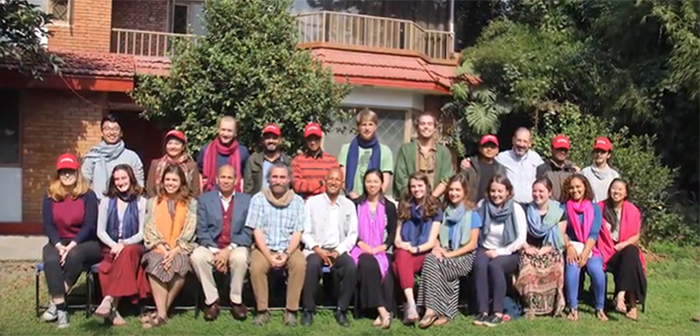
<point x="374" y="32"/>
<point x="317" y="27"/>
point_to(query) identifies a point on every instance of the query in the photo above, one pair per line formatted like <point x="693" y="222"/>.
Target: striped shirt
<point x="278" y="224"/>
<point x="310" y="171"/>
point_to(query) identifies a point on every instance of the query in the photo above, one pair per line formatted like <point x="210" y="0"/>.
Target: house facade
<point x="399" y="58"/>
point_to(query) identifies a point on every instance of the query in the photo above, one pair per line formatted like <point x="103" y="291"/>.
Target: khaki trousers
<point x="296" y="271"/>
<point x="202" y="260"/>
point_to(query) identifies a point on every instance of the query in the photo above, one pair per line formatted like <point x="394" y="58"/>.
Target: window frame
<point x="47" y="7"/>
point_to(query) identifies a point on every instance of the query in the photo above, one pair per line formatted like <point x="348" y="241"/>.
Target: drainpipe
<point x="452" y="24"/>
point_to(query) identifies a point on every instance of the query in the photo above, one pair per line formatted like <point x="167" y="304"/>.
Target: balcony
<point x="317" y="28"/>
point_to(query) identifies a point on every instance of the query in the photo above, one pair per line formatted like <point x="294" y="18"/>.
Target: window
<point x="60" y="9"/>
<point x="180" y="19"/>
<point x="9" y="128"/>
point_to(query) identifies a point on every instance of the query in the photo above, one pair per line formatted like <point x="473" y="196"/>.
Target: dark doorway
<point x="142" y="136"/>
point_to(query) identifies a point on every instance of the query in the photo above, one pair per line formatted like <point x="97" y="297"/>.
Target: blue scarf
<point x="131" y="219"/>
<point x="491" y="213"/>
<point x="416" y="230"/>
<point x="454" y="219"/>
<point x="546" y="227"/>
<point x="353" y="156"/>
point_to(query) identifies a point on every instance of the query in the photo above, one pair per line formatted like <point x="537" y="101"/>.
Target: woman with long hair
<point x="540" y="279"/>
<point x="584" y="221"/>
<point x="503" y="233"/>
<point x="120" y="220"/>
<point x="420" y="216"/>
<point x="69" y="216"/>
<point x="376" y="227"/>
<point x="600" y="174"/>
<point x="171" y="218"/>
<point x="621" y="232"/>
<point x="452" y="258"/>
<point x="176" y="153"/>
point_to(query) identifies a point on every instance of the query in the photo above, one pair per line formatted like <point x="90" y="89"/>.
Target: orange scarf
<point x="170" y="227"/>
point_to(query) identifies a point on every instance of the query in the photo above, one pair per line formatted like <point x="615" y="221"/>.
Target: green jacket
<point x="252" y="177"/>
<point x="406" y="165"/>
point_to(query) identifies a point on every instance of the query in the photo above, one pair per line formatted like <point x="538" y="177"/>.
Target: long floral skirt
<point x="540" y="283"/>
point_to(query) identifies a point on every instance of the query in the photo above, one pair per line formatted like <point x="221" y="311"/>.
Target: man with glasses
<point x="110" y="152"/>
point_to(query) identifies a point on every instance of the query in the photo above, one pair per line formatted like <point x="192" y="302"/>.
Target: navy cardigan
<point x="87" y="230"/>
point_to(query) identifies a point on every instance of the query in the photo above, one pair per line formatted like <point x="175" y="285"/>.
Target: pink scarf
<point x="630" y="225"/>
<point x="582" y="230"/>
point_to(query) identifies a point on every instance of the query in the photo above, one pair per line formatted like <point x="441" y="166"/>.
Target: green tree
<point x="21" y="30"/>
<point x="246" y="65"/>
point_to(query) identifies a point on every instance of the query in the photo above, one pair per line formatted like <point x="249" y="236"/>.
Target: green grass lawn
<point x="672" y="301"/>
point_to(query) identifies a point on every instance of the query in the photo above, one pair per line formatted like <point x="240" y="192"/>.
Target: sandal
<point x="411" y="314"/>
<point x="427" y="321"/>
<point x="620" y="305"/>
<point x="147" y="317"/>
<point x="573" y="315"/>
<point x="105" y="308"/>
<point x="377" y="322"/>
<point x="386" y="322"/>
<point x="632" y="314"/>
<point x="600" y="314"/>
<point x="155" y="322"/>
<point x="442" y="320"/>
<point x="116" y="320"/>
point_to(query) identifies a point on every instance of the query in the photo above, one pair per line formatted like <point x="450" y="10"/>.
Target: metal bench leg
<point x="36" y="294"/>
<point x="90" y="283"/>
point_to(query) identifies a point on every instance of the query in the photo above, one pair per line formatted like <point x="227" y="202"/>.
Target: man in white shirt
<point x="224" y="242"/>
<point x="330" y="232"/>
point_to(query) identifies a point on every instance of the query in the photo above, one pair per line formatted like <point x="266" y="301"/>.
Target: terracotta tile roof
<point x="158" y="66"/>
<point x="96" y="64"/>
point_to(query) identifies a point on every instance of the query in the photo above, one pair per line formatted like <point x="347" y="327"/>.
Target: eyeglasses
<point x="66" y="173"/>
<point x="111" y="129"/>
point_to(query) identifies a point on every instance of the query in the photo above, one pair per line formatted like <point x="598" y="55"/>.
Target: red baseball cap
<point x="313" y="129"/>
<point x="176" y="134"/>
<point x="602" y="143"/>
<point x="561" y="141"/>
<point x="67" y="161"/>
<point x="272" y="128"/>
<point x="489" y="138"/>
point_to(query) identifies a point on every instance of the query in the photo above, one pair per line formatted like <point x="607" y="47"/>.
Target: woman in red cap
<point x="175" y="146"/>
<point x="69" y="216"/>
<point x="599" y="173"/>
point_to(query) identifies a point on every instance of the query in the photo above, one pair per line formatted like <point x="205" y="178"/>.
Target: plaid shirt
<point x="278" y="224"/>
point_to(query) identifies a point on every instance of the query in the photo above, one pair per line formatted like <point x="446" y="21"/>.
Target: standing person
<point x="600" y="174"/>
<point x="330" y="232"/>
<point x="423" y="155"/>
<point x="557" y="168"/>
<point x="621" y="232"/>
<point x="483" y="167"/>
<point x="259" y="164"/>
<point x="276" y="216"/>
<point x="376" y="228"/>
<point x="365" y="153"/>
<point x="420" y="215"/>
<point x="224" y="243"/>
<point x="175" y="147"/>
<point x="584" y="221"/>
<point x="69" y="215"/>
<point x="101" y="159"/>
<point x="311" y="167"/>
<point x="503" y="233"/>
<point x="540" y="279"/>
<point x="120" y="221"/>
<point x="171" y="218"/>
<point x="224" y="150"/>
<point x="453" y="258"/>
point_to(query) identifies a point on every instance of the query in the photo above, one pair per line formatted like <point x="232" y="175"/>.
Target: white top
<point x="600" y="181"/>
<point x="494" y="240"/>
<point x="331" y="226"/>
<point x="615" y="235"/>
<point x="521" y="171"/>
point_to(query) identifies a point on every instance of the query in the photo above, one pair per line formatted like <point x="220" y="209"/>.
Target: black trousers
<point x="344" y="276"/>
<point x="79" y="259"/>
<point x="372" y="290"/>
<point x="629" y="273"/>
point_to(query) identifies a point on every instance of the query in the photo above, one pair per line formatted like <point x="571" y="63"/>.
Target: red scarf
<point x="209" y="170"/>
<point x="630" y="225"/>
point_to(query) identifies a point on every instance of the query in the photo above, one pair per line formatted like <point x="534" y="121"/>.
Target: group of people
<point x="506" y="219"/>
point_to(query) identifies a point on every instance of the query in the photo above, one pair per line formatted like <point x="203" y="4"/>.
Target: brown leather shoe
<point x="239" y="311"/>
<point x="211" y="312"/>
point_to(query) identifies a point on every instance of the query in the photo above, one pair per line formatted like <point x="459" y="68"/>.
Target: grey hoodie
<point x="600" y="181"/>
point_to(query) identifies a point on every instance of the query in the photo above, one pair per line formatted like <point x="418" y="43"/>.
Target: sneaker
<point x="290" y="318"/>
<point x="480" y="319"/>
<point x="262" y="318"/>
<point x="50" y="314"/>
<point x="307" y="318"/>
<point x="494" y="320"/>
<point x="62" y="317"/>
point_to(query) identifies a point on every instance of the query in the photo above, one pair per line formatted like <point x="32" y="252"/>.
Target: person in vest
<point x="452" y="259"/>
<point x="224" y="150"/>
<point x="100" y="161"/>
<point x="420" y="216"/>
<point x="311" y="167"/>
<point x="330" y="232"/>
<point x="557" y="168"/>
<point x="365" y="153"/>
<point x="276" y="216"/>
<point x="171" y="218"/>
<point x="483" y="167"/>
<point x="424" y="155"/>
<point x="69" y="214"/>
<point x="224" y="243"/>
<point x="120" y="221"/>
<point x="259" y="163"/>
<point x="600" y="174"/>
<point x="175" y="147"/>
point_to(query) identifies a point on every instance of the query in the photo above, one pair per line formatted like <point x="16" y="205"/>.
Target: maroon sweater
<point x="70" y="219"/>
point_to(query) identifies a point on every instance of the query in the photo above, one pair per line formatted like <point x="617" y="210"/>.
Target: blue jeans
<point x="572" y="275"/>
